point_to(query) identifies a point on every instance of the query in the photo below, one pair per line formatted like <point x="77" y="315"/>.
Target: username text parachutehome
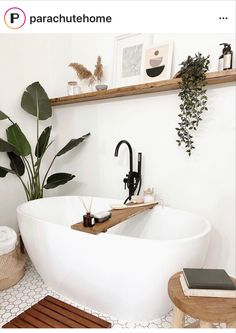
<point x="70" y="19"/>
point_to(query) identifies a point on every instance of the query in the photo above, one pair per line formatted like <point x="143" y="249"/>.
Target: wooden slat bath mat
<point x="52" y="313"/>
<point x="117" y="216"/>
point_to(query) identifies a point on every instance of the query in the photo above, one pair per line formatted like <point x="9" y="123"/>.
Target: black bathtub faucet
<point x="133" y="179"/>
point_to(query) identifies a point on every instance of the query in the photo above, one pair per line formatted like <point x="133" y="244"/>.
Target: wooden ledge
<point x="117" y="216"/>
<point x="143" y="88"/>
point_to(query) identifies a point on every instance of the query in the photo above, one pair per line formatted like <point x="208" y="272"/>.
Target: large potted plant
<point x="25" y="162"/>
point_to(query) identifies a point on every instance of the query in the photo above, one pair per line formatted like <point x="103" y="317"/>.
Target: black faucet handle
<point x="125" y="180"/>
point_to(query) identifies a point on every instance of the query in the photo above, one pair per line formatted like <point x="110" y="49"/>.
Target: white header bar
<point x="117" y="16"/>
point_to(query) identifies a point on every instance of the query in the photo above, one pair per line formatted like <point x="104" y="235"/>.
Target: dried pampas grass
<point x="98" y="72"/>
<point x="81" y="71"/>
<point x="84" y="74"/>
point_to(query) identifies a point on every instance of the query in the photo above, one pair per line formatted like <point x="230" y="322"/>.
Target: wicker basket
<point x="11" y="268"/>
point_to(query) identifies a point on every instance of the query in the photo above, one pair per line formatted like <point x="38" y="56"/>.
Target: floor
<point x="31" y="289"/>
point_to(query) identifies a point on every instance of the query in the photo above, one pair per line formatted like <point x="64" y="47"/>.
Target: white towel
<point x="8" y="239"/>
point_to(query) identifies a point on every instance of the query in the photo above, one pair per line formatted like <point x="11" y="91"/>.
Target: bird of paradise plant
<point x="24" y="162"/>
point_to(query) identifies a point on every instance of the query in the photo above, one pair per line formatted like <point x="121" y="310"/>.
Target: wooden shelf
<point x="117" y="216"/>
<point x="144" y="88"/>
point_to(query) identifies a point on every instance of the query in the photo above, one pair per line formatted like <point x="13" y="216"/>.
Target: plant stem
<point x="44" y="179"/>
<point x="26" y="162"/>
<point x="29" y="172"/>
<point x="37" y="153"/>
<point x="36" y="180"/>
<point x="32" y="162"/>
<point x="37" y="106"/>
<point x="25" y="188"/>
<point x="11" y="120"/>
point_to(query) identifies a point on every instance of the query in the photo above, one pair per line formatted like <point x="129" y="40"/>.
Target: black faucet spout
<point x="130" y="152"/>
<point x="133" y="179"/>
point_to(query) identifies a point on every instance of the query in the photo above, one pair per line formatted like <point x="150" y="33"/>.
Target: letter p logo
<point x="14" y="18"/>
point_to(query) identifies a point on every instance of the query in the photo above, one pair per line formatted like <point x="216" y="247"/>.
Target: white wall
<point x="203" y="184"/>
<point x="23" y="60"/>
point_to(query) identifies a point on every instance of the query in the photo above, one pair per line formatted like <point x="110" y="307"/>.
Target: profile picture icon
<point x="14" y="18"/>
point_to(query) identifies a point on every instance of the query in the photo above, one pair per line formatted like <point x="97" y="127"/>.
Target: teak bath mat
<point x="52" y="313"/>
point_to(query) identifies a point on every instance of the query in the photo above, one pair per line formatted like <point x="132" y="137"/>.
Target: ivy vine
<point x="193" y="98"/>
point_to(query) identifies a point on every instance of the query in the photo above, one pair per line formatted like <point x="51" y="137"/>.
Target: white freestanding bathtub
<point x="123" y="273"/>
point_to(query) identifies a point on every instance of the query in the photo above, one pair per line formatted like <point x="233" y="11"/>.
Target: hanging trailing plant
<point x="193" y="98"/>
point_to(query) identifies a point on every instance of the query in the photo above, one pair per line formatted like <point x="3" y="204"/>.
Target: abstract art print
<point x="128" y="58"/>
<point x="132" y="60"/>
<point x="157" y="62"/>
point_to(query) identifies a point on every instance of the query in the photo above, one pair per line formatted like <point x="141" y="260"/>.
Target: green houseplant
<point x="193" y="98"/>
<point x="24" y="162"/>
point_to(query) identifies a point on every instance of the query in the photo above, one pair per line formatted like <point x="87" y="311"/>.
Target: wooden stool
<point x="52" y="313"/>
<point x="208" y="310"/>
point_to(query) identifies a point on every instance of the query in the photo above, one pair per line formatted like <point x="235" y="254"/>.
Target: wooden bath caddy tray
<point x="117" y="216"/>
<point x="52" y="313"/>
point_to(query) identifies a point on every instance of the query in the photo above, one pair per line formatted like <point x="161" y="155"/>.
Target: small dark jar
<point x="88" y="220"/>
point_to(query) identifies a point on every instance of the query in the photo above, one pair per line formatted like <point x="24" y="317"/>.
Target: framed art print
<point x="128" y="58"/>
<point x="157" y="62"/>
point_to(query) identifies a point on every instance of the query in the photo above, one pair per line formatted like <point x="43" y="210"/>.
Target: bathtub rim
<point x="207" y="229"/>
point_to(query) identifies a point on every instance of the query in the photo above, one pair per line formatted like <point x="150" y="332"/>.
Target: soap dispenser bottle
<point x="228" y="57"/>
<point x="221" y="58"/>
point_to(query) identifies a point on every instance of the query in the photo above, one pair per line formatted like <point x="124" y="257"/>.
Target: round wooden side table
<point x="208" y="310"/>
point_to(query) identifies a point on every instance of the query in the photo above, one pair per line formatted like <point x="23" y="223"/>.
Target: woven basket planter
<point x="12" y="267"/>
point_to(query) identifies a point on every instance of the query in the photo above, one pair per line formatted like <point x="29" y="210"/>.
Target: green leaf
<point x="16" y="164"/>
<point x="6" y="146"/>
<point x="72" y="144"/>
<point x="17" y="138"/>
<point x="43" y="142"/>
<point x="58" y="179"/>
<point x="5" y="171"/>
<point x="36" y="102"/>
<point x="3" y="116"/>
